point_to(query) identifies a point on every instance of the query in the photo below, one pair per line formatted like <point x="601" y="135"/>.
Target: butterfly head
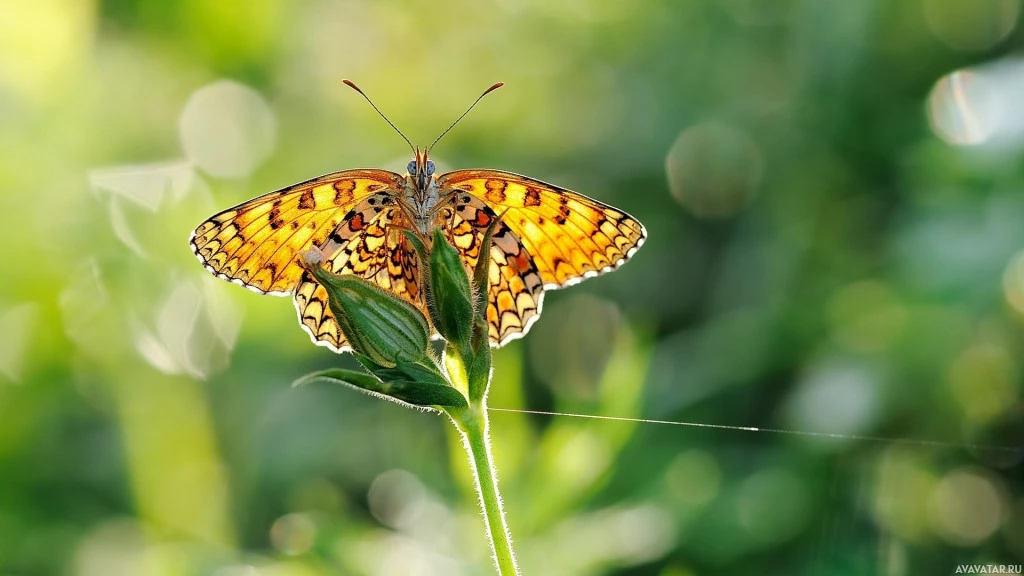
<point x="421" y="169"/>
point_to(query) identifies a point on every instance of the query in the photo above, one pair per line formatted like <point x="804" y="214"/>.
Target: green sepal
<point x="378" y="324"/>
<point x="455" y="368"/>
<point x="481" y="284"/>
<point x="424" y="371"/>
<point x="417" y="244"/>
<point x="415" y="393"/>
<point x="481" y="272"/>
<point x="478" y="370"/>
<point x="450" y="300"/>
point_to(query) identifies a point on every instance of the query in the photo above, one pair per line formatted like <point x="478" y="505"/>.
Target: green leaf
<point x="415" y="393"/>
<point x="349" y="377"/>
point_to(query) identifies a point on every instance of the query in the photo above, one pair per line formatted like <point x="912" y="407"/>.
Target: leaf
<point x="415" y="393"/>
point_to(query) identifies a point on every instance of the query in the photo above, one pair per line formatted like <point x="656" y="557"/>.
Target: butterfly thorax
<point x="420" y="195"/>
<point x="421" y="199"/>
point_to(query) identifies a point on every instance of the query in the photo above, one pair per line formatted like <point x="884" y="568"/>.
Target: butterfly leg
<point x="444" y="202"/>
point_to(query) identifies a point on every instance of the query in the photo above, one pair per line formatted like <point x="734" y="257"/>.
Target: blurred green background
<point x="834" y="192"/>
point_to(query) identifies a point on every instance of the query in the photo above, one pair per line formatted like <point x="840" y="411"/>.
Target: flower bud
<point x="378" y="324"/>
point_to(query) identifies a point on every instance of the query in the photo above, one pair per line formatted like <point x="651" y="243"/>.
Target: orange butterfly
<point x="549" y="237"/>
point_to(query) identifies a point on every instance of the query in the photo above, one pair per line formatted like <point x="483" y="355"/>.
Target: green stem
<point x="472" y="423"/>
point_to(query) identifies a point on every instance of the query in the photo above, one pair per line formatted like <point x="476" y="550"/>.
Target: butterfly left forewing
<point x="569" y="236"/>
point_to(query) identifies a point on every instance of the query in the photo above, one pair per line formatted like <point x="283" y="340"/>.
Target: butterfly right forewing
<point x="569" y="236"/>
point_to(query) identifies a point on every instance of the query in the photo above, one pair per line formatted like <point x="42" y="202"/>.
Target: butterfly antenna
<point x="486" y="92"/>
<point x="363" y="94"/>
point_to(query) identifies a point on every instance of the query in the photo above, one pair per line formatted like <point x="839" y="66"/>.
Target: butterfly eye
<point x="430" y="167"/>
<point x="411" y="167"/>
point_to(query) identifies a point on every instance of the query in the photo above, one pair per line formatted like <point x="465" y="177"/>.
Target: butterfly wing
<point x="255" y="243"/>
<point x="369" y="244"/>
<point x="569" y="236"/>
<point x="515" y="290"/>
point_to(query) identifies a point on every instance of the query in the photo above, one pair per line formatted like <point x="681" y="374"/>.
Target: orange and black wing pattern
<point x="255" y="243"/>
<point x="515" y="290"/>
<point x="569" y="236"/>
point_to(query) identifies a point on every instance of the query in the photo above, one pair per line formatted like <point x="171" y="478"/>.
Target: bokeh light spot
<point x="570" y="347"/>
<point x="693" y="479"/>
<point x="834" y="398"/>
<point x="625" y="536"/>
<point x="642" y="533"/>
<point x="962" y="109"/>
<point x="582" y="457"/>
<point x="193" y="332"/>
<point x="902" y="486"/>
<point x="971" y="26"/>
<point x="293" y="534"/>
<point x="86" y="306"/>
<point x="397" y="499"/>
<point x="985" y="381"/>
<point x="713" y="170"/>
<point x="227" y="129"/>
<point x="146" y="185"/>
<point x="866" y="316"/>
<point x="113" y="548"/>
<point x="43" y="43"/>
<point x="967" y="507"/>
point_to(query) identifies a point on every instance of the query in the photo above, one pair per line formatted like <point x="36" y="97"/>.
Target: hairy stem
<point x="472" y="424"/>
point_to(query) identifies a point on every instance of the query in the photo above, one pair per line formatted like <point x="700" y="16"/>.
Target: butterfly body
<point x="421" y="196"/>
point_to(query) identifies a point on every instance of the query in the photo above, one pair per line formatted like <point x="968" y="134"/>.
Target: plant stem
<point x="472" y="423"/>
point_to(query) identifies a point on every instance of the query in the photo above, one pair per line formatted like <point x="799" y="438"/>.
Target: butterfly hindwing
<point x="569" y="235"/>
<point x="254" y="244"/>
<point x="515" y="291"/>
<point x="369" y="244"/>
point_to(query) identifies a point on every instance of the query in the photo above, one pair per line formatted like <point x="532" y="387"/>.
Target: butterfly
<point x="547" y="237"/>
